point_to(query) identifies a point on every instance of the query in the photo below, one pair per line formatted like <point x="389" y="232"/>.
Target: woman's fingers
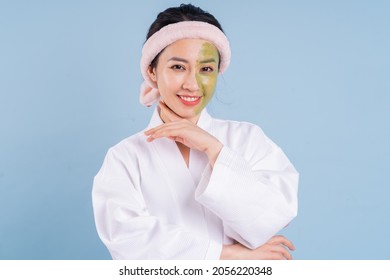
<point x="273" y="255"/>
<point x="264" y="252"/>
<point x="272" y="252"/>
<point x="168" y="115"/>
<point x="181" y="131"/>
<point x="281" y="240"/>
<point x="151" y="132"/>
<point x="166" y="130"/>
<point x="282" y="251"/>
<point x="187" y="133"/>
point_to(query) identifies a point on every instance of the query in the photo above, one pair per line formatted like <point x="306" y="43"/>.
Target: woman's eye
<point x="207" y="69"/>
<point x="177" y="67"/>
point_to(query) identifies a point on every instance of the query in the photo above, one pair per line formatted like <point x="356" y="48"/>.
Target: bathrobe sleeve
<point x="126" y="227"/>
<point x="252" y="187"/>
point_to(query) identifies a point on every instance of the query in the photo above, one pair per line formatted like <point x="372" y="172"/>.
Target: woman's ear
<point x="152" y="74"/>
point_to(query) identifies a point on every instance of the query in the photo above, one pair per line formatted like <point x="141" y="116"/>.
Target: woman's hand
<point x="275" y="249"/>
<point x="185" y="132"/>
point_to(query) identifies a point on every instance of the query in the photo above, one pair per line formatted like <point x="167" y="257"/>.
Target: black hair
<point x="185" y="12"/>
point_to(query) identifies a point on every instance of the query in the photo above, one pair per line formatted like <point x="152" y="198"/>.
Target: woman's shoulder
<point x="234" y="126"/>
<point x="244" y="137"/>
<point x="130" y="144"/>
<point x="239" y="133"/>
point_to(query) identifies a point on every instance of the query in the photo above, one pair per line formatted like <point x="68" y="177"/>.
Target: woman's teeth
<point x="189" y="98"/>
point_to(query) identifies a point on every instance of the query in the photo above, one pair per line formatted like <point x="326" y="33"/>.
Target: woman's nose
<point x="191" y="83"/>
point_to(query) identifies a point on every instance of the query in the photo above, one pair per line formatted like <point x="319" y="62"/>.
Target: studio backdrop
<point x="314" y="75"/>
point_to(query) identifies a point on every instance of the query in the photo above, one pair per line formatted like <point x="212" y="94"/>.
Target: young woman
<point x="191" y="186"/>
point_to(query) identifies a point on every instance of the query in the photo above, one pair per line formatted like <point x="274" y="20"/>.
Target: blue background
<point x="315" y="75"/>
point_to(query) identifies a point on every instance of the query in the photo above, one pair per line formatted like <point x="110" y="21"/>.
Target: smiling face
<point x="186" y="76"/>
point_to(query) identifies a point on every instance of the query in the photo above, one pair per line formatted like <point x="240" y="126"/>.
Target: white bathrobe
<point x="149" y="205"/>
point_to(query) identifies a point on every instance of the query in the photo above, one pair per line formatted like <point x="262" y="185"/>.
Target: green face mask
<point x="207" y="80"/>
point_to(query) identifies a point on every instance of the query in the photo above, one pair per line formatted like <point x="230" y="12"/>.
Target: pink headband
<point x="168" y="35"/>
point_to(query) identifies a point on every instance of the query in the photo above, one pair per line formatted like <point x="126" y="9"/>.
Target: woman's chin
<point x="191" y="115"/>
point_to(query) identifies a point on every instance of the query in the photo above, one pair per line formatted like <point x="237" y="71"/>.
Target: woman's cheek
<point x="207" y="85"/>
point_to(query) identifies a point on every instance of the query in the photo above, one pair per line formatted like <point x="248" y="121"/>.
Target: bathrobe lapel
<point x="180" y="180"/>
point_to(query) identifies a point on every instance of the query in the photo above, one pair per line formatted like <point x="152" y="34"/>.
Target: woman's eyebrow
<point x="208" y="60"/>
<point x="175" y="58"/>
<point x="178" y="59"/>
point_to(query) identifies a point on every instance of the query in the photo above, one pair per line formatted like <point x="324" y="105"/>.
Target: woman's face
<point x="186" y="76"/>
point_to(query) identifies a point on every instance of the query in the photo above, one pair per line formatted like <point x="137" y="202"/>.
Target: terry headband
<point x="168" y="35"/>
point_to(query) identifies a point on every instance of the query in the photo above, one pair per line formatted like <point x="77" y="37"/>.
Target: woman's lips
<point x="189" y="100"/>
